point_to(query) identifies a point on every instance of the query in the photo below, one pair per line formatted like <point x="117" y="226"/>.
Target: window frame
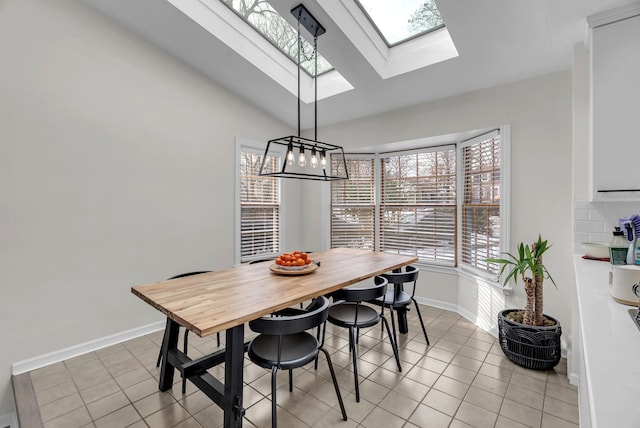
<point x="454" y="139"/>
<point x="505" y="196"/>
<point x="433" y="148"/>
<point x="247" y="145"/>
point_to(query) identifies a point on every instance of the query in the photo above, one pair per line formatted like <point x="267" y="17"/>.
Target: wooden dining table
<point x="224" y="300"/>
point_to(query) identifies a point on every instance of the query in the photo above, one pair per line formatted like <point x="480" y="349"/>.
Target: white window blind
<point x="259" y="207"/>
<point x="480" y="237"/>
<point x="418" y="204"/>
<point x="353" y="205"/>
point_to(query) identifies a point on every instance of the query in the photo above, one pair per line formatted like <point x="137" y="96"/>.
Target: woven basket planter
<point x="533" y="347"/>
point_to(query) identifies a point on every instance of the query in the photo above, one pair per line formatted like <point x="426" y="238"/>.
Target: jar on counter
<point x="618" y="248"/>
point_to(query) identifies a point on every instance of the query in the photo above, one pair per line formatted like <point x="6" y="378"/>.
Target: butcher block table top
<point x="216" y="301"/>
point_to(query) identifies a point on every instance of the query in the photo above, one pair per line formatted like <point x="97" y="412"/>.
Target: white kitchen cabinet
<point x="615" y="104"/>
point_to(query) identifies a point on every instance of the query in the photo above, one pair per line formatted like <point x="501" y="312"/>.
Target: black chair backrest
<point x="314" y="316"/>
<point x="358" y="295"/>
<point x="182" y="275"/>
<point x="397" y="277"/>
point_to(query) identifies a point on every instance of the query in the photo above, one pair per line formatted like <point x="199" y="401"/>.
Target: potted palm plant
<point x="527" y="336"/>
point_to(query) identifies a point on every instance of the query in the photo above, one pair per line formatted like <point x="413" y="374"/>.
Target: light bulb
<point x="323" y="159"/>
<point x="302" y="159"/>
<point x="290" y="154"/>
<point x="314" y="158"/>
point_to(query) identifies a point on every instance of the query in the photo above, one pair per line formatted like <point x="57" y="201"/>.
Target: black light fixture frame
<point x="292" y="142"/>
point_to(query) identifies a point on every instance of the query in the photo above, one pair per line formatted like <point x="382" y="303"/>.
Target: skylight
<point x="402" y="20"/>
<point x="272" y="26"/>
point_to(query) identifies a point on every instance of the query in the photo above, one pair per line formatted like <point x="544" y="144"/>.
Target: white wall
<point x="539" y="112"/>
<point x="116" y="169"/>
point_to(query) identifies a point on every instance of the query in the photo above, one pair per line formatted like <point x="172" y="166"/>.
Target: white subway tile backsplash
<point x="594" y="221"/>
<point x="581" y="214"/>
<point x="588" y="226"/>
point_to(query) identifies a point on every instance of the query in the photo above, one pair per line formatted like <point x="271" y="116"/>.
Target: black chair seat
<point x="344" y="315"/>
<point x="297" y="350"/>
<point x="402" y="299"/>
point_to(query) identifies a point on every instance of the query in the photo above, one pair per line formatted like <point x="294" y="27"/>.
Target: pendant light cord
<point x="315" y="81"/>
<point x="299" y="46"/>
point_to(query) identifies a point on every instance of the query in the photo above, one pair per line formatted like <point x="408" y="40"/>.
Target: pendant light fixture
<point x="306" y="159"/>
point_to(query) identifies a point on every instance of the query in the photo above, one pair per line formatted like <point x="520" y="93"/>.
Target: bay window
<point x="440" y="203"/>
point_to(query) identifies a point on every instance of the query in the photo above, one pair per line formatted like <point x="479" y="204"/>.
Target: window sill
<point x="468" y="274"/>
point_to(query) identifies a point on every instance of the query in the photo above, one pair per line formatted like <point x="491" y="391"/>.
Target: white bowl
<point x="598" y="250"/>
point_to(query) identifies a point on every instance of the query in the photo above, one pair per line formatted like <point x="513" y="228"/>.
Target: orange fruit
<point x="307" y="261"/>
<point x="300" y="262"/>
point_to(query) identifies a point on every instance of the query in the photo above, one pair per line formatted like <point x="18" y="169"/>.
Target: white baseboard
<point x="83" y="348"/>
<point x="460" y="311"/>
<point x="10" y="420"/>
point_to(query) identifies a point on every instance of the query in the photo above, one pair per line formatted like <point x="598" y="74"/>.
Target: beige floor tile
<point x="153" y="403"/>
<point x="459" y="424"/>
<point x="412" y="389"/>
<point x="460" y="374"/>
<point x="168" y="416"/>
<point x="74" y="419"/>
<point x="462" y="380"/>
<point x="550" y="421"/>
<point x="519" y="412"/>
<point x="562" y="410"/>
<point x="425" y="416"/>
<point x="524" y="396"/>
<point x="451" y="386"/>
<point x="484" y="399"/>
<point x="476" y="416"/>
<point x="442" y="402"/>
<point x="99" y="391"/>
<point x="504" y="422"/>
<point x="528" y="382"/>
<point x="399" y="405"/>
<point x="119" y="419"/>
<point x="382" y="418"/>
<point x="562" y="393"/>
<point x="189" y="423"/>
<point x="108" y="404"/>
<point x="357" y="411"/>
<point x="55" y="393"/>
<point x="496" y="372"/>
<point x="490" y="384"/>
<point x="61" y="406"/>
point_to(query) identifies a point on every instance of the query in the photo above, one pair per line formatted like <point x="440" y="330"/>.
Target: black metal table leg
<point x="170" y="342"/>
<point x="233" y="364"/>
<point x="403" y="327"/>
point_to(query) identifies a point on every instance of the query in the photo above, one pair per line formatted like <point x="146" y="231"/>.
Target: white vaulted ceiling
<point x="496" y="41"/>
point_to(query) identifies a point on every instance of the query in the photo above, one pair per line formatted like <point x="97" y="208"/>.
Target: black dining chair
<point x="186" y="332"/>
<point x="349" y="311"/>
<point x="283" y="343"/>
<point x="397" y="297"/>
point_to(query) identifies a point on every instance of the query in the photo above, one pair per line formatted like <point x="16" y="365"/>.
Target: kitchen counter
<point x="610" y="351"/>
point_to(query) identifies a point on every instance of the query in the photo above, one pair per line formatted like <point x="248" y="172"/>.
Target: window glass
<point x="418" y="205"/>
<point x="259" y="207"/>
<point x="260" y="15"/>
<point x="353" y="205"/>
<point x="481" y="205"/>
<point x="399" y="21"/>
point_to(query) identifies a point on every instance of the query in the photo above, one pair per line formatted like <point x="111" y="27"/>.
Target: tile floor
<point x="461" y="380"/>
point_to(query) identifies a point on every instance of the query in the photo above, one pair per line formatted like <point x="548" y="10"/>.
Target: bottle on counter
<point x="618" y="248"/>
